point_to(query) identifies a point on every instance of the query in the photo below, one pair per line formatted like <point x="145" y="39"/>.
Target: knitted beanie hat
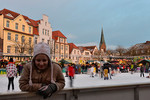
<point x="41" y="48"/>
<point x="44" y="49"/>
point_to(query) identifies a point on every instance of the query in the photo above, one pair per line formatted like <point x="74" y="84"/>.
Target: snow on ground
<point x="84" y="80"/>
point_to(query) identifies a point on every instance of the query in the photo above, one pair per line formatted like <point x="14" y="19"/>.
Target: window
<point x="22" y="39"/>
<point x="78" y="52"/>
<point x="62" y="55"/>
<point x="7" y="23"/>
<point x="16" y="37"/>
<point x="42" y="40"/>
<point x="65" y="41"/>
<point x="48" y="32"/>
<point x="23" y="27"/>
<point x="9" y="36"/>
<point x="16" y="49"/>
<point x="8" y="49"/>
<point x="30" y="40"/>
<point x="66" y="56"/>
<point x="29" y="29"/>
<point x="74" y="51"/>
<point x="43" y="31"/>
<point x="61" y="40"/>
<point x="61" y="47"/>
<point x="35" y="40"/>
<point x="142" y="51"/>
<point x="9" y="15"/>
<point x="47" y="41"/>
<point x="56" y="46"/>
<point x="66" y="47"/>
<point x="30" y="50"/>
<point x="16" y="26"/>
<point x="86" y="53"/>
<point x="45" y="23"/>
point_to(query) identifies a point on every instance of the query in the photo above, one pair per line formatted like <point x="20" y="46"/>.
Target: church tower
<point x="102" y="45"/>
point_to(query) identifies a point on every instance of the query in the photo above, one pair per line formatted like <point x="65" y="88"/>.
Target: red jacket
<point x="71" y="71"/>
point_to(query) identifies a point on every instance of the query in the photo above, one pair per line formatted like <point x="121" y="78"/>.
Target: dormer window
<point x="9" y="15"/>
<point x="45" y="23"/>
<point x="28" y="21"/>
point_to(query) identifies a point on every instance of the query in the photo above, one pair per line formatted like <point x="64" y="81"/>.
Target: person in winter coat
<point x="92" y="69"/>
<point x="142" y="71"/>
<point x="96" y="69"/>
<point x="132" y="68"/>
<point x="11" y="73"/>
<point x="106" y="71"/>
<point x="71" y="72"/>
<point x="42" y="75"/>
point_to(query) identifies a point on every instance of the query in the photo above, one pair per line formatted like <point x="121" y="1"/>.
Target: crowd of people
<point x="106" y="70"/>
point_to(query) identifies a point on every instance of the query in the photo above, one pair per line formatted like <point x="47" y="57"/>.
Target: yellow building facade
<point x="61" y="47"/>
<point x="16" y="32"/>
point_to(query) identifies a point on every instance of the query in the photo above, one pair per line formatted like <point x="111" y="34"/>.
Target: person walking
<point x="142" y="71"/>
<point x="96" y="67"/>
<point x="11" y="73"/>
<point x="41" y="75"/>
<point x="92" y="69"/>
<point x="66" y="70"/>
<point x="102" y="71"/>
<point x="71" y="72"/>
<point x="132" y="68"/>
<point x="106" y="71"/>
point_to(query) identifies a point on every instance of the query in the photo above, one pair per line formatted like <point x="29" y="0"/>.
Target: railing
<point x="121" y="92"/>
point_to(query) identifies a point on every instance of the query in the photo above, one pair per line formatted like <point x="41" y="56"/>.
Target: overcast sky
<point x="125" y="22"/>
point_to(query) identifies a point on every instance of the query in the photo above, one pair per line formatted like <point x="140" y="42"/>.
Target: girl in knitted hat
<point x="42" y="75"/>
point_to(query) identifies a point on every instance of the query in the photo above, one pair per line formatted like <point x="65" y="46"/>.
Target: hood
<point x="44" y="49"/>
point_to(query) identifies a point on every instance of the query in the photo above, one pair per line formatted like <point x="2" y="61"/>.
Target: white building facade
<point x="45" y="30"/>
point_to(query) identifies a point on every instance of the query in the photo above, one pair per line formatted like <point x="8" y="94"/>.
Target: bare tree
<point x="110" y="52"/>
<point x="121" y="50"/>
<point x="22" y="47"/>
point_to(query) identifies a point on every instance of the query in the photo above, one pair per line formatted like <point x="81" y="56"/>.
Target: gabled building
<point x="45" y="30"/>
<point x="17" y="29"/>
<point x="85" y="54"/>
<point x="74" y="53"/>
<point x="140" y="49"/>
<point x="61" y="47"/>
<point x="94" y="51"/>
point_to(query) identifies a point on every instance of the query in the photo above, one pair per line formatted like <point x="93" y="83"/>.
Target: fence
<point x="122" y="92"/>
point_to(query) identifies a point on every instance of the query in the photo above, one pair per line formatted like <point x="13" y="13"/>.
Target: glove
<point x="47" y="90"/>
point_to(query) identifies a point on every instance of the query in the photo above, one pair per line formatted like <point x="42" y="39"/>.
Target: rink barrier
<point x="122" y="92"/>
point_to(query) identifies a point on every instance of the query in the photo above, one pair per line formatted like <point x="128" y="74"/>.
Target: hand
<point x="47" y="90"/>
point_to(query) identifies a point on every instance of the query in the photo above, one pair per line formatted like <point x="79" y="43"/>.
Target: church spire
<point x="102" y="45"/>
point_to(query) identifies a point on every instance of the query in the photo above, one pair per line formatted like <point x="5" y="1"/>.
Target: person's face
<point x="41" y="61"/>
